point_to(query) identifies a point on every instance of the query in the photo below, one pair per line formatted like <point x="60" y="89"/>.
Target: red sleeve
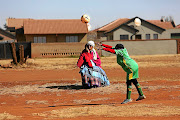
<point x="109" y="50"/>
<point x="80" y="61"/>
<point x="107" y="46"/>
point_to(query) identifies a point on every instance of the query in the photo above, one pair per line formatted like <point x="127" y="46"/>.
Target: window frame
<point x="39" y="39"/>
<point x="71" y="38"/>
<point x="122" y="37"/>
<point x="154" y="36"/>
<point x="149" y="35"/>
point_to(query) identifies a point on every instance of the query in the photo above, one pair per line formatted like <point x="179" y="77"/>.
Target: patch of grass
<point x="7" y="116"/>
<point x="112" y="111"/>
<point x="36" y="102"/>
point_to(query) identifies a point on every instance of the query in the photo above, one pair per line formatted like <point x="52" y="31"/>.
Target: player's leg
<point x="135" y="82"/>
<point x="139" y="89"/>
<point x="129" y="90"/>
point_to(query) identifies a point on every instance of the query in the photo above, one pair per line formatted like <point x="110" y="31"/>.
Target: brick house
<point x="125" y="29"/>
<point x="48" y="31"/>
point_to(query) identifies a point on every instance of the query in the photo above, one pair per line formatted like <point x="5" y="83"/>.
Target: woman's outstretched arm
<point x="109" y="50"/>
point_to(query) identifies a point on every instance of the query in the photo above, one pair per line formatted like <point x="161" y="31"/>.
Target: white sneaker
<point x="141" y="97"/>
<point x="126" y="101"/>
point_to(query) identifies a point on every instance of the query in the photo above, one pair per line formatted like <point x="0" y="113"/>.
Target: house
<point x="6" y="36"/>
<point x="48" y="31"/>
<point x="125" y="29"/>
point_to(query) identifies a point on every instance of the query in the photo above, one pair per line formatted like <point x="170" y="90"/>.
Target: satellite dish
<point x="137" y="22"/>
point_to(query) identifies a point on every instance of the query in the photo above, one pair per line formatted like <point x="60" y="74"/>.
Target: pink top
<point x="98" y="61"/>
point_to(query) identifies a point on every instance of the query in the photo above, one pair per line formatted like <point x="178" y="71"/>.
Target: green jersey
<point x="127" y="63"/>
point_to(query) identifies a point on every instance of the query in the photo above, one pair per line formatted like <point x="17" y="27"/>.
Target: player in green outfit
<point x="129" y="66"/>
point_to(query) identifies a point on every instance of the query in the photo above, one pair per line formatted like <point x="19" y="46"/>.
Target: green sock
<point x="138" y="87"/>
<point x="129" y="89"/>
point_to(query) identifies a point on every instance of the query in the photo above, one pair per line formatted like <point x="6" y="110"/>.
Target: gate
<point x="6" y="50"/>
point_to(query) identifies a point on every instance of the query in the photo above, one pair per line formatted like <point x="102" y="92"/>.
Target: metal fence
<point x="6" y="50"/>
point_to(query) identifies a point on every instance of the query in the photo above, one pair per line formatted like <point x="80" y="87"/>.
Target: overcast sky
<point x="101" y="12"/>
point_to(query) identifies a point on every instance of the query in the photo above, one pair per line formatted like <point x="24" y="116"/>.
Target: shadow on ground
<point x="67" y="87"/>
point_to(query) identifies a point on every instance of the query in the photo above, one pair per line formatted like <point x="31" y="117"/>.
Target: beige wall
<point x="57" y="38"/>
<point x="56" y="49"/>
<point x="149" y="47"/>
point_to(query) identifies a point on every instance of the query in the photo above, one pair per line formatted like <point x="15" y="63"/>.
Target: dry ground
<point x="51" y="89"/>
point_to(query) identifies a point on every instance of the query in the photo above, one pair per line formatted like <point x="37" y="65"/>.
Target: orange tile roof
<point x="113" y="24"/>
<point x="178" y="26"/>
<point x="165" y="25"/>
<point x="118" y="22"/>
<point x="17" y="23"/>
<point x="61" y="26"/>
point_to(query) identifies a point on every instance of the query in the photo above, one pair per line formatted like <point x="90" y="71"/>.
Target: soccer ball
<point x="137" y="22"/>
<point x="85" y="18"/>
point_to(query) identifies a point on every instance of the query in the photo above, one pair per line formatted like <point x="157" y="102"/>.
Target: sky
<point x="101" y="12"/>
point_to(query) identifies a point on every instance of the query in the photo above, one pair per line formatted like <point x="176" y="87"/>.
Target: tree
<point x="5" y="26"/>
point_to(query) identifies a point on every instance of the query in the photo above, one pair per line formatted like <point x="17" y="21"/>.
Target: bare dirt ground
<point x="51" y="89"/>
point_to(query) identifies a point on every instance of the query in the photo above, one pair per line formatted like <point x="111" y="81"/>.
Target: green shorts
<point x="132" y="74"/>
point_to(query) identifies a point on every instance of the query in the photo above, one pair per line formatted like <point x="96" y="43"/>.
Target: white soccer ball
<point x="85" y="18"/>
<point x="137" y="22"/>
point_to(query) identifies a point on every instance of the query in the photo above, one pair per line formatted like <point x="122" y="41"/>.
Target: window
<point x="110" y="37"/>
<point x="39" y="39"/>
<point x="138" y="37"/>
<point x="155" y="36"/>
<point x="124" y="37"/>
<point x="148" y="36"/>
<point x="71" y="38"/>
<point x="175" y="35"/>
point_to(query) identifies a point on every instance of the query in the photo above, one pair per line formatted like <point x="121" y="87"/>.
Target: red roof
<point x="17" y="23"/>
<point x="61" y="26"/>
<point x="165" y="25"/>
<point x="178" y="26"/>
<point x="114" y="24"/>
<point x="118" y="22"/>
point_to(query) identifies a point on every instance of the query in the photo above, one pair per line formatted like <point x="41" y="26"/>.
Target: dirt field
<point x="51" y="89"/>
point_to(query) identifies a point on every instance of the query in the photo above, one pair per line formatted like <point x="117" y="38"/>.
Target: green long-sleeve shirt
<point x="124" y="60"/>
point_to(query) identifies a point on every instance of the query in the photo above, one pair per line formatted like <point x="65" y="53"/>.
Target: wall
<point x="20" y="35"/>
<point x="145" y="47"/>
<point x="56" y="49"/>
<point x="57" y="38"/>
<point x="122" y="31"/>
<point x="49" y="38"/>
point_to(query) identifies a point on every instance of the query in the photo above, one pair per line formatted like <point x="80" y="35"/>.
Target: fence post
<point x="5" y="51"/>
<point x="21" y="53"/>
<point x="14" y="53"/>
<point x="178" y="46"/>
